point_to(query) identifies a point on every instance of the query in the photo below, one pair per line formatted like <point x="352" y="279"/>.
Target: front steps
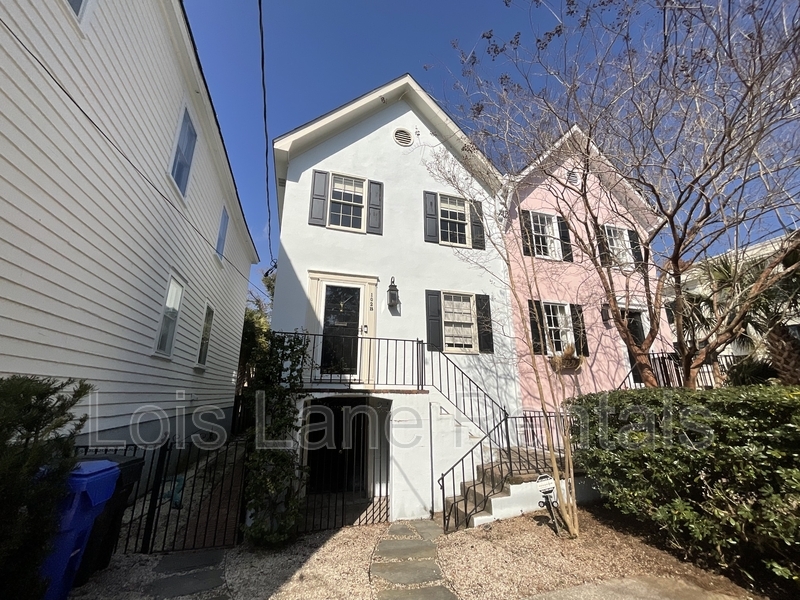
<point x="490" y="497"/>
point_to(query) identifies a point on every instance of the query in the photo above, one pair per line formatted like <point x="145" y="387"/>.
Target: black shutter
<point x="484" y="310"/>
<point x="433" y="318"/>
<point x="375" y="208"/>
<point x="566" y="242"/>
<point x="579" y="330"/>
<point x="537" y="320"/>
<point x="476" y="225"/>
<point x="602" y="247"/>
<point x="431" y="217"/>
<point x="318" y="212"/>
<point x="636" y="248"/>
<point x="527" y="232"/>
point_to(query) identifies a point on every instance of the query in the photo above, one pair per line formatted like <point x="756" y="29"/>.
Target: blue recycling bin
<point x="91" y="484"/>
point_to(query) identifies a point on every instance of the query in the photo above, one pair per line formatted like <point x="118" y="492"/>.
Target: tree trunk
<point x="784" y="352"/>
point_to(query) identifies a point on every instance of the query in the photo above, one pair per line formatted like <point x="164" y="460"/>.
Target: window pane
<point x="223" y="232"/>
<point x="206" y="336"/>
<point x="184" y="153"/>
<point x="169" y="318"/>
<point x="76" y="6"/>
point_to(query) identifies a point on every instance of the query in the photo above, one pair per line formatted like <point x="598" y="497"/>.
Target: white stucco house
<point x="124" y="252"/>
<point x="364" y="221"/>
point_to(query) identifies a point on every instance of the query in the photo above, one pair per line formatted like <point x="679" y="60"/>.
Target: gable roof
<point x="610" y="177"/>
<point x="405" y="88"/>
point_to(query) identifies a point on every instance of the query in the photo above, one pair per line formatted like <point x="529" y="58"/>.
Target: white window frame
<point x="620" y="254"/>
<point x="171" y="347"/>
<point x="222" y="234"/>
<point x="185" y="111"/>
<point x="566" y="330"/>
<point x="474" y="324"/>
<point x="364" y="201"/>
<point x="467" y="222"/>
<point x="551" y="235"/>
<point x="208" y="306"/>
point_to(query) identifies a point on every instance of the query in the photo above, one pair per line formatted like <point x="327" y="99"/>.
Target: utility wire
<point x="272" y="262"/>
<point x="128" y="160"/>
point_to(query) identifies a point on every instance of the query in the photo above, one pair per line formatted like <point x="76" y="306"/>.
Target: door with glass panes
<point x="342" y="330"/>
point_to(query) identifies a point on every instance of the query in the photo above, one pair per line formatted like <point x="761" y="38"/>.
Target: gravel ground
<point x="511" y="559"/>
<point x="331" y="565"/>
<point x="521" y="557"/>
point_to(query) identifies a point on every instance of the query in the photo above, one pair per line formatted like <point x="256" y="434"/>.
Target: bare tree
<point x="684" y="114"/>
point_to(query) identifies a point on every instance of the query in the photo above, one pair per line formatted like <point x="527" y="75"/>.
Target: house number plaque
<point x="371" y="302"/>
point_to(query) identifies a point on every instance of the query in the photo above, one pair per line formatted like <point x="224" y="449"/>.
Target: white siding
<point x="87" y="246"/>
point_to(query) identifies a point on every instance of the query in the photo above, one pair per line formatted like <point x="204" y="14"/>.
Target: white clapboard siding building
<point x="362" y="219"/>
<point x="124" y="251"/>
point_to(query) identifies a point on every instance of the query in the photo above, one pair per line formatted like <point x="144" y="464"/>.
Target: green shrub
<point x="37" y="431"/>
<point x="716" y="470"/>
<point x="275" y="476"/>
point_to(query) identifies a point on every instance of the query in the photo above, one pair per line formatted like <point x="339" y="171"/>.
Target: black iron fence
<point x="669" y="372"/>
<point x="189" y="496"/>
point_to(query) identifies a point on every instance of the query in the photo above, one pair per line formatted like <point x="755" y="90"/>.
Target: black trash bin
<point x="107" y="526"/>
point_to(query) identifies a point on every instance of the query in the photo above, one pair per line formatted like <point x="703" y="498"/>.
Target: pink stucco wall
<point x="577" y="282"/>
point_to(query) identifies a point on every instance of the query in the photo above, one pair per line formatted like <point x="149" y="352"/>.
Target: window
<point x="453" y="221"/>
<point x="206" y="336"/>
<point x="559" y="326"/>
<point x="169" y="318"/>
<point x="184" y="152"/>
<point x="77" y="6"/>
<point x="459" y="322"/>
<point x="543" y="236"/>
<point x="347" y="203"/>
<point x="546" y="236"/>
<point x="618" y="246"/>
<point x="223" y="232"/>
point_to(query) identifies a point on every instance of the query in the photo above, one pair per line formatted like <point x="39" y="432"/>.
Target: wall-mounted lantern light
<point x="393" y="295"/>
<point x="605" y="313"/>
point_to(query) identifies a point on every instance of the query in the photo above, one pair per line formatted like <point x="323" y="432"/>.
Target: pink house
<point x="566" y="225"/>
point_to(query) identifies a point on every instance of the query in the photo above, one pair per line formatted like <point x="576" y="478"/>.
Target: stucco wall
<point x="577" y="282"/>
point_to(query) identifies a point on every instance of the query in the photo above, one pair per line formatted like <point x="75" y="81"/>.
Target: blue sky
<point x="321" y="54"/>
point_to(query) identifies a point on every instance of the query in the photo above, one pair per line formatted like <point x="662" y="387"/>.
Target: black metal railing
<point x="349" y="361"/>
<point x="528" y="441"/>
<point x="480" y="474"/>
<point x="668" y="371"/>
<point x="464" y="393"/>
<point x="188" y="496"/>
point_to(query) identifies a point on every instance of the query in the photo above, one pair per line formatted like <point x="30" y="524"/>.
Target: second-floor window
<point x="620" y="248"/>
<point x="223" y="232"/>
<point x="184" y="152"/>
<point x="453" y="221"/>
<point x="545" y="236"/>
<point x="347" y="203"/>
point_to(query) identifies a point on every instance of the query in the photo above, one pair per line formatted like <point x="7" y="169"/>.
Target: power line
<point x="129" y="160"/>
<point x="272" y="262"/>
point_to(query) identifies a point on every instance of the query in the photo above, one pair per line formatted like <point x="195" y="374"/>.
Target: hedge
<point x="716" y="470"/>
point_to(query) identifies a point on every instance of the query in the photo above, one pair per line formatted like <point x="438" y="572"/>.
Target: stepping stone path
<point x="404" y="563"/>
<point x="189" y="574"/>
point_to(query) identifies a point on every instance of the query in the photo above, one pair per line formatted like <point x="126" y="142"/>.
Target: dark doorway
<point x="636" y="327"/>
<point x="347" y="464"/>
